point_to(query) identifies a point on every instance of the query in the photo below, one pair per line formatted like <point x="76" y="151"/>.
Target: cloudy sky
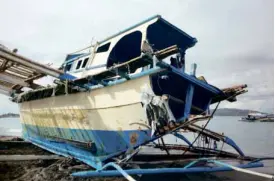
<point x="235" y="38"/>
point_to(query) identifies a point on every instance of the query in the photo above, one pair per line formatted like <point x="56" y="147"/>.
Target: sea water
<point x="10" y="127"/>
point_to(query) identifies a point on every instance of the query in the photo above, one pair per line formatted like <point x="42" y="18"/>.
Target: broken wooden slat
<point x="13" y="79"/>
<point x="10" y="56"/>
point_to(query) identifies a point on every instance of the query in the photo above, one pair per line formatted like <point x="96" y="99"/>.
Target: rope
<point x="244" y="170"/>
<point x="125" y="174"/>
<point x="230" y="166"/>
<point x="221" y="149"/>
<point x="162" y="141"/>
<point x="203" y="127"/>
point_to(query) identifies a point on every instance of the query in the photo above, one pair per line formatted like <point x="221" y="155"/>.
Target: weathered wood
<point x="18" y="71"/>
<point x="34" y="77"/>
<point x="13" y="79"/>
<point x="162" y="54"/>
<point x="6" y="54"/>
<point x="26" y="69"/>
<point x="3" y="65"/>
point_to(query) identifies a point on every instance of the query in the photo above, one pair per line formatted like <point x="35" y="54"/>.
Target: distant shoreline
<point x="9" y="115"/>
<point x="219" y="112"/>
<point x="234" y="112"/>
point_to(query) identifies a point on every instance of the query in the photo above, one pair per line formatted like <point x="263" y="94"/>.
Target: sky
<point x="235" y="38"/>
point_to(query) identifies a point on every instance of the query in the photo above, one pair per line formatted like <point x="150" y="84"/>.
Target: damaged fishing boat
<point x="119" y="95"/>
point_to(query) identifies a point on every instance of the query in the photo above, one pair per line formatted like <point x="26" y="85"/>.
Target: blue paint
<point x="196" y="81"/>
<point x="66" y="150"/>
<point x="133" y="76"/>
<point x="194" y="40"/>
<point x="162" y="34"/>
<point x="162" y="170"/>
<point x="125" y="49"/>
<point x="194" y="162"/>
<point x="180" y="136"/>
<point x="177" y="85"/>
<point x="66" y="76"/>
<point x="234" y="145"/>
<point x="188" y="101"/>
<point x="108" y="143"/>
<point x="189" y="95"/>
<point x="119" y="169"/>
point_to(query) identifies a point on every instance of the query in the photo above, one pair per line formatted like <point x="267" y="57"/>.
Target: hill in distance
<point x="9" y="115"/>
<point x="234" y="112"/>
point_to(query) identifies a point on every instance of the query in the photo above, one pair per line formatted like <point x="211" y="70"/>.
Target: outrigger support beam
<point x="129" y="172"/>
<point x="180" y="136"/>
<point x="119" y="170"/>
<point x="41" y="68"/>
<point x="230" y="142"/>
<point x="215" y="136"/>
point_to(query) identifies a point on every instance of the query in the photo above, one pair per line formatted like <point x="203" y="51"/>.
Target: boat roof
<point x="157" y="18"/>
<point x="187" y="40"/>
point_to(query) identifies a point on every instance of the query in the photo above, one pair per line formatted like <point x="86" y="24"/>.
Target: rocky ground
<point x="38" y="169"/>
<point x="20" y="161"/>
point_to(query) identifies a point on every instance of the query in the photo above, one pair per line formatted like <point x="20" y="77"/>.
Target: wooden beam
<point x="6" y="54"/>
<point x="16" y="74"/>
<point x="14" y="69"/>
<point x="13" y="79"/>
<point x="24" y="69"/>
<point x="3" y="65"/>
<point x="34" y="77"/>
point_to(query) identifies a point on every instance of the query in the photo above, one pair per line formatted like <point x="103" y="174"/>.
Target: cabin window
<point x="127" y="48"/>
<point x="85" y="62"/>
<point x="68" y="67"/>
<point x="78" y="64"/>
<point x="103" y="48"/>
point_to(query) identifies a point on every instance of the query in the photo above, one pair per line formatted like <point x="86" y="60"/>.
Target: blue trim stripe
<point x="107" y="142"/>
<point x="195" y="81"/>
<point x="234" y="145"/>
<point x="66" y="76"/>
<point x="134" y="76"/>
<point x="156" y="171"/>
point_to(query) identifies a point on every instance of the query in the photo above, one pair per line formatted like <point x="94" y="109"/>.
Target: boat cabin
<point x="127" y="45"/>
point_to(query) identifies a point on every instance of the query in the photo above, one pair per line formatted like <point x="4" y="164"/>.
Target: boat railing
<point x="123" y="70"/>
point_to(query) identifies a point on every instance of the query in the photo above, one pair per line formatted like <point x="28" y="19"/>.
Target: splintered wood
<point x="17" y="72"/>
